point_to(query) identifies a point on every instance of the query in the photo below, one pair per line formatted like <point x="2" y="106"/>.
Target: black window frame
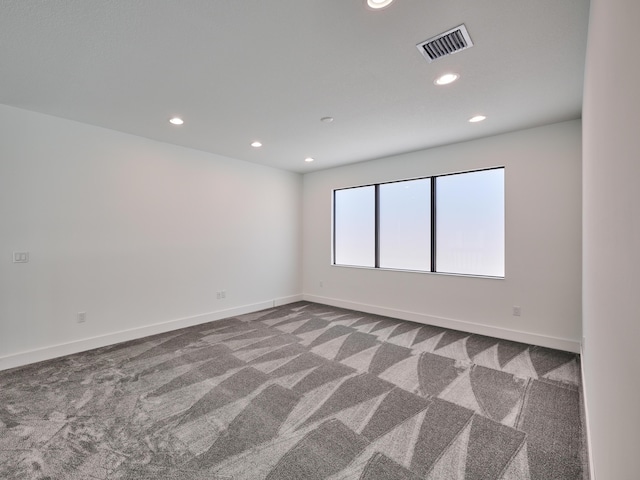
<point x="433" y="235"/>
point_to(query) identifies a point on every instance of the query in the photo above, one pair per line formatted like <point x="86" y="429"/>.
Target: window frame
<point x="334" y="229"/>
<point x="433" y="219"/>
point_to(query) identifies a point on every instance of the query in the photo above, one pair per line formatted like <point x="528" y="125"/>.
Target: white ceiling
<point x="245" y="70"/>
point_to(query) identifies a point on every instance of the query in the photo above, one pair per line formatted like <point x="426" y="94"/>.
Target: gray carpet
<point x="302" y="391"/>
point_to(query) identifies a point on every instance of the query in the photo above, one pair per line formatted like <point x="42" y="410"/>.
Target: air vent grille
<point x="447" y="43"/>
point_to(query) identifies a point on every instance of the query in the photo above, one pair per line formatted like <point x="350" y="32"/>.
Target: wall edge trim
<point x="587" y="427"/>
<point x="286" y="300"/>
<point x="59" y="350"/>
<point x="477" y="328"/>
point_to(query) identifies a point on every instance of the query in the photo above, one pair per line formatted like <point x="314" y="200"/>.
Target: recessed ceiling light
<point x="378" y="4"/>
<point x="326" y="119"/>
<point x="176" y="121"/>
<point x="256" y="144"/>
<point x="446" y="79"/>
<point x="308" y="159"/>
<point x="477" y="118"/>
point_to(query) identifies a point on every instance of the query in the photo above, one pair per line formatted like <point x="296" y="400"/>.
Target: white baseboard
<point x="54" y="351"/>
<point x="592" y="472"/>
<point x="286" y="300"/>
<point x="480" y="329"/>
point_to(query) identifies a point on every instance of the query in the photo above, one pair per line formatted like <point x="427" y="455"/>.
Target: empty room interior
<point x="356" y="239"/>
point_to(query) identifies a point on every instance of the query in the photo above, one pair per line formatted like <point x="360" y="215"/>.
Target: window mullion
<point x="433" y="224"/>
<point x="333" y="260"/>
<point x="377" y="227"/>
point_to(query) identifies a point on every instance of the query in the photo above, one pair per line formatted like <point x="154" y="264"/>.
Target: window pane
<point x="355" y="226"/>
<point x="405" y="225"/>
<point x="470" y="223"/>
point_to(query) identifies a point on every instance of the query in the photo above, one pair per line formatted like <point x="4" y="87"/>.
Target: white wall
<point x="543" y="241"/>
<point x="611" y="142"/>
<point x="132" y="231"/>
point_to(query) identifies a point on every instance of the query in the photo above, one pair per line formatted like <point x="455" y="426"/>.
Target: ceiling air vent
<point x="447" y="43"/>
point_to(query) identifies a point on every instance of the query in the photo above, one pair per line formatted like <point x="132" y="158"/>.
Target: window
<point x="354" y="226"/>
<point x="470" y="223"/>
<point x="448" y="224"/>
<point x="405" y="225"/>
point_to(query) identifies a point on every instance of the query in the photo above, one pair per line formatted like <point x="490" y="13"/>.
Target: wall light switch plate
<point x="20" y="257"/>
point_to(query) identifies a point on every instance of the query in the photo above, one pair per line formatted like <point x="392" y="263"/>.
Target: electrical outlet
<point x="223" y="294"/>
<point x="218" y="295"/>
<point x="82" y="317"/>
<point x="321" y="284"/>
<point x="517" y="311"/>
<point x="20" y="257"/>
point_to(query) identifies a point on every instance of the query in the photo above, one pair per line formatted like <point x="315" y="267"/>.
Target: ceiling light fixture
<point x="477" y="118"/>
<point x="378" y="4"/>
<point x="308" y="159"/>
<point x="326" y="119"/>
<point x="176" y="121"/>
<point x="256" y="144"/>
<point x="446" y="79"/>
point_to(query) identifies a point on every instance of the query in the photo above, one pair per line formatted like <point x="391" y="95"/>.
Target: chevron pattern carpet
<point x="302" y="391"/>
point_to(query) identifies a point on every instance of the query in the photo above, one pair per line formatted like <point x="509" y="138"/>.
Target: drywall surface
<point x="543" y="246"/>
<point x="133" y="232"/>
<point x="611" y="143"/>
